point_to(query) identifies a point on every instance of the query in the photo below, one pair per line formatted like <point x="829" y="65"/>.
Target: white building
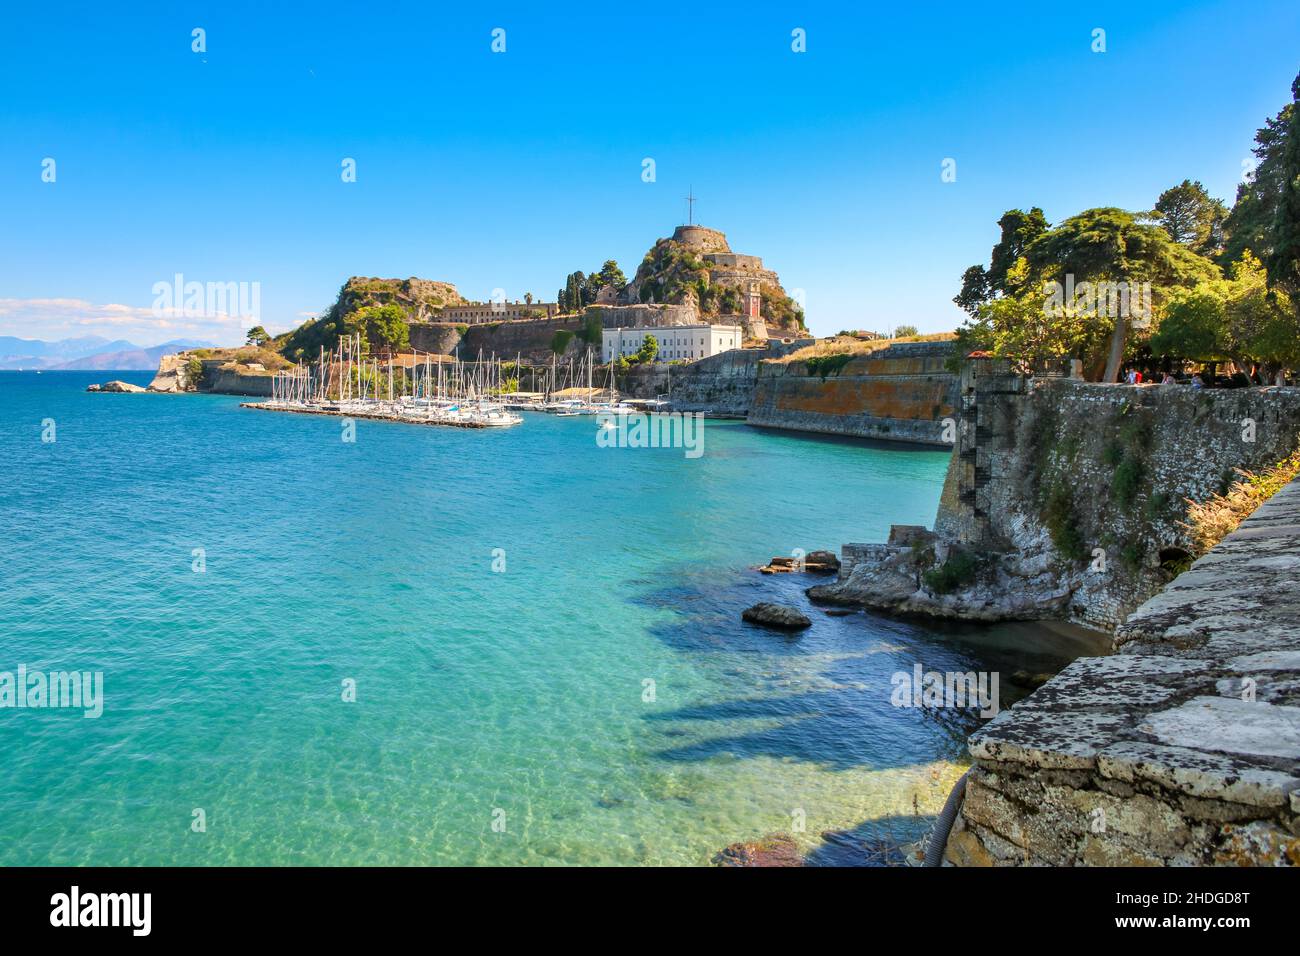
<point x="685" y="342"/>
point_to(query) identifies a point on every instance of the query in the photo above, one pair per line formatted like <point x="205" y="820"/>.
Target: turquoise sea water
<point x="515" y="696"/>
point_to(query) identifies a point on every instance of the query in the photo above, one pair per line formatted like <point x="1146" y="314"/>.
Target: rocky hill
<point x="419" y="299"/>
<point x="696" y="266"/>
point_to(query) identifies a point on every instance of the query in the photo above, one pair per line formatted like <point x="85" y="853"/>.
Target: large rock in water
<point x="779" y="616"/>
<point x="117" y="386"/>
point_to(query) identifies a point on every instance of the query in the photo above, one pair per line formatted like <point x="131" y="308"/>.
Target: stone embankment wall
<point x="636" y="316"/>
<point x="1093" y="480"/>
<point x="226" y="382"/>
<point x="530" y="338"/>
<point x="902" y="393"/>
<point x="721" y="385"/>
<point x="1070" y="496"/>
<point x="1181" y="749"/>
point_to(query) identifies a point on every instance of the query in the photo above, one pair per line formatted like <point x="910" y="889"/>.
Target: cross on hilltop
<point x="690" y="207"/>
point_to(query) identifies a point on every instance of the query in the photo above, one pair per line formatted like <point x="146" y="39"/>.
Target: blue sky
<point x="511" y="170"/>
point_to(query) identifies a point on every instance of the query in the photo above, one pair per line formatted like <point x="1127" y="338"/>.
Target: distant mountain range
<point x="90" y="352"/>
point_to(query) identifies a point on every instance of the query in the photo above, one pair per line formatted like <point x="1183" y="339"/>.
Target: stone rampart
<point x="1181" y="749"/>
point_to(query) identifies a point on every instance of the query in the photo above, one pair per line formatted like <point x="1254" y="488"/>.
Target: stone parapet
<point x="1181" y="749"/>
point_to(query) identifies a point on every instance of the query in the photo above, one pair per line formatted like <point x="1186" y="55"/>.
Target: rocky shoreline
<point x="892" y="578"/>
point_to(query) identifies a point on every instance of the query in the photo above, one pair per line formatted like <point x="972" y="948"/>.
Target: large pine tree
<point x="1254" y="219"/>
<point x="1284" y="258"/>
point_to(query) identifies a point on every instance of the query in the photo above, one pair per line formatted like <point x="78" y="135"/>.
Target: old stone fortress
<point x="684" y="331"/>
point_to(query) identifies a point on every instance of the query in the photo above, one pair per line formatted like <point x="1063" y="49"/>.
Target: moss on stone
<point x="959" y="570"/>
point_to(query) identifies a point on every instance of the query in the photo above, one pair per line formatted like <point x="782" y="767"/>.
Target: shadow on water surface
<point x="825" y="694"/>
<point x="877" y="842"/>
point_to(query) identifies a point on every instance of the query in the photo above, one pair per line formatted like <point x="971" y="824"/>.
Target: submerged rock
<point x="779" y="616"/>
<point x="776" y="849"/>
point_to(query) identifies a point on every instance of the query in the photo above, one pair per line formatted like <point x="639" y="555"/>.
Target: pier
<point x="453" y="417"/>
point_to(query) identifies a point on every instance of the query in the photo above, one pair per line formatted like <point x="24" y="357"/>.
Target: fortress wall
<point x="1072" y="496"/>
<point x="1180" y="443"/>
<point x="720" y="385"/>
<point x="632" y="316"/>
<point x="531" y="338"/>
<point x="438" y="338"/>
<point x="234" y="383"/>
<point x="735" y="261"/>
<point x="900" y="398"/>
<point x="702" y="239"/>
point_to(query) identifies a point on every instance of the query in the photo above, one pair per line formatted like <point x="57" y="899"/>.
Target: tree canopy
<point x="1259" y="210"/>
<point x="1013" y="314"/>
<point x="1191" y="217"/>
<point x="382" y="327"/>
<point x="580" y="289"/>
<point x="1041" y="295"/>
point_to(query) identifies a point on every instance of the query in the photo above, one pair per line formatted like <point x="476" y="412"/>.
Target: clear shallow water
<point x="477" y="691"/>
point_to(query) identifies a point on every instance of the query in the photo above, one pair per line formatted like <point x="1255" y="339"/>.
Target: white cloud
<point x="53" y="319"/>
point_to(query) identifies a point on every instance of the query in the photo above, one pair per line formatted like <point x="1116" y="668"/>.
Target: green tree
<point x="574" y="294"/>
<point x="1263" y="325"/>
<point x="980" y="285"/>
<point x="1254" y="218"/>
<point x="383" y="327"/>
<point x="1109" y="244"/>
<point x="905" y="330"/>
<point x="257" y="336"/>
<point x="1194" y="324"/>
<point x="1192" y="217"/>
<point x="1238" y="318"/>
<point x="648" y="351"/>
<point x="1284" y="258"/>
<point x="610" y="274"/>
